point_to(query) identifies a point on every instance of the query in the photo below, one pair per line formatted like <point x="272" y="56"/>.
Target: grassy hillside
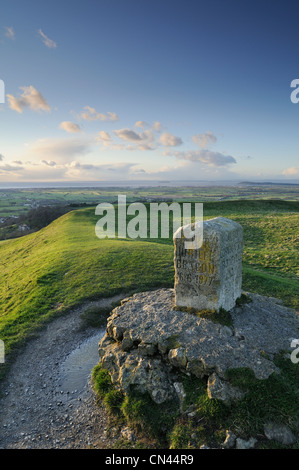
<point x="49" y="271"/>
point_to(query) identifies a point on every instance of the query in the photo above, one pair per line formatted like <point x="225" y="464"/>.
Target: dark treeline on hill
<point x="35" y="219"/>
<point x="42" y="216"/>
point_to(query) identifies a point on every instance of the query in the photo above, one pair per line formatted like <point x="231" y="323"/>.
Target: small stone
<point x="226" y="331"/>
<point x="222" y="390"/>
<point x="279" y="433"/>
<point x="180" y="391"/>
<point x="177" y="357"/>
<point x="230" y="440"/>
<point x="128" y="434"/>
<point x="242" y="444"/>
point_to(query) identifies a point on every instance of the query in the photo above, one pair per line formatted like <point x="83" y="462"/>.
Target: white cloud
<point x="30" y="98"/>
<point x="103" y="136"/>
<point x="157" y="126"/>
<point x="47" y="41"/>
<point x="70" y="127"/>
<point x="128" y="134"/>
<point x="49" y="163"/>
<point x="203" y="140"/>
<point x="9" y="168"/>
<point x="292" y="171"/>
<point x="9" y="32"/>
<point x="189" y="171"/>
<point x="92" y="115"/>
<point x="141" y="124"/>
<point x="1" y="157"/>
<point x="59" y="150"/>
<point x="169" y="140"/>
<point x="208" y="157"/>
<point x="143" y="140"/>
<point x="99" y="167"/>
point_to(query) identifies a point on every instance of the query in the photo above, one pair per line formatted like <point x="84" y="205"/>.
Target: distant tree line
<point x="35" y="219"/>
<point x="39" y="217"/>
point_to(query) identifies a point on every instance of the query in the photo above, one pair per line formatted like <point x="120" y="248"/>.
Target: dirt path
<point x="47" y="401"/>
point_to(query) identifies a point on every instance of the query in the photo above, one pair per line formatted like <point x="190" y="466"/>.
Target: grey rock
<point x="177" y="357"/>
<point x="243" y="444"/>
<point x="128" y="434"/>
<point x="279" y="433"/>
<point x="230" y="440"/>
<point x="131" y="369"/>
<point x="148" y="341"/>
<point x="178" y="386"/>
<point x="222" y="390"/>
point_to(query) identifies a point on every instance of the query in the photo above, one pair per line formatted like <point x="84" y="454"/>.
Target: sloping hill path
<point x="46" y="399"/>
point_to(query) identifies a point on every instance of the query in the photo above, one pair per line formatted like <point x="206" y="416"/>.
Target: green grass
<point x="48" y="272"/>
<point x="272" y="400"/>
<point x="163" y="426"/>
<point x="17" y="201"/>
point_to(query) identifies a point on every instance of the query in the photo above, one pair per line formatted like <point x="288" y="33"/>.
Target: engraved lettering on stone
<point x="210" y="277"/>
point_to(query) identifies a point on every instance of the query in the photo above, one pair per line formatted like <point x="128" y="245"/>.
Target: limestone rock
<point x="222" y="390"/>
<point x="128" y="434"/>
<point x="148" y="342"/>
<point x="230" y="440"/>
<point x="177" y="357"/>
<point x="243" y="444"/>
<point x="209" y="277"/>
<point x="279" y="433"/>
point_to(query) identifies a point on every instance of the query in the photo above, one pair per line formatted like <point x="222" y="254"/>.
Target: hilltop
<point x="46" y="273"/>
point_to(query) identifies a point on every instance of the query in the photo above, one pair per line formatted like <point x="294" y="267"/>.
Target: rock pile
<point x="149" y="343"/>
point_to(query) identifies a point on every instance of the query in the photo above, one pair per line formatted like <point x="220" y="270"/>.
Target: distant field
<point x="18" y="201"/>
<point x="56" y="268"/>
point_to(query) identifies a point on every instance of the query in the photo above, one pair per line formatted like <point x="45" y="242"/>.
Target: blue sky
<point x="153" y="90"/>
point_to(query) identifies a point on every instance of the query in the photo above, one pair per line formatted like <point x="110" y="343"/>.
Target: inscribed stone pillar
<point x="210" y="277"/>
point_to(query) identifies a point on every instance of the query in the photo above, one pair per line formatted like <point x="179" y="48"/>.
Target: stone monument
<point x="151" y="343"/>
<point x="209" y="277"/>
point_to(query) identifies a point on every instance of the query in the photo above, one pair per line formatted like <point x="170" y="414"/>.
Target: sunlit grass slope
<point x="65" y="263"/>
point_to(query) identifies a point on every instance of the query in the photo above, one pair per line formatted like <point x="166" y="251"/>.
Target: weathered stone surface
<point x="243" y="444"/>
<point x="222" y="390"/>
<point x="210" y="277"/>
<point x="129" y="370"/>
<point x="148" y="342"/>
<point x="128" y="434"/>
<point x="177" y="357"/>
<point x="230" y="440"/>
<point x="279" y="433"/>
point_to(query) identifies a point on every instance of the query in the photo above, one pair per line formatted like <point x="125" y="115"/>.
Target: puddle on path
<point x="77" y="368"/>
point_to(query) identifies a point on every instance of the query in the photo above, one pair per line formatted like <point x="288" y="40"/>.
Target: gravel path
<point x="46" y="399"/>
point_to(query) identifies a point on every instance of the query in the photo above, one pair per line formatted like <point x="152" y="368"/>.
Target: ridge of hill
<point x="48" y="272"/>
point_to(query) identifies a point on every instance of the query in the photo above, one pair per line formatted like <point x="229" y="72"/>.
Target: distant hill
<point x="267" y="183"/>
